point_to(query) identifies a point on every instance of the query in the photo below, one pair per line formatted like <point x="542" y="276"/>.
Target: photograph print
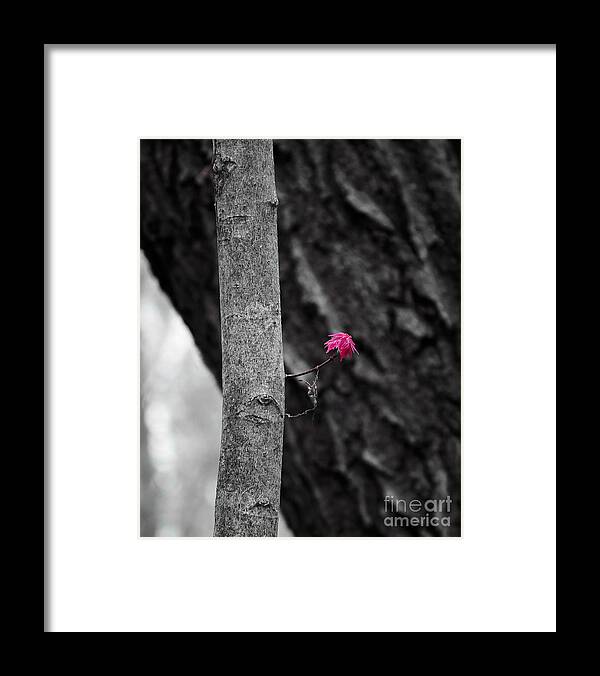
<point x="300" y="338"/>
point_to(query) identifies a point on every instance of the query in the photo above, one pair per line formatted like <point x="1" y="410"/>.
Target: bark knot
<point x="262" y="409"/>
<point x="223" y="167"/>
<point x="263" y="508"/>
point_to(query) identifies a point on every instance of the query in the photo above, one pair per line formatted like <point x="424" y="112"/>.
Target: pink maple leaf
<point x="343" y="343"/>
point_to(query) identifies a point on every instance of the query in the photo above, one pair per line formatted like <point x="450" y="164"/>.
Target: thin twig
<point x="314" y="368"/>
<point x="297" y="415"/>
<point x="312" y="393"/>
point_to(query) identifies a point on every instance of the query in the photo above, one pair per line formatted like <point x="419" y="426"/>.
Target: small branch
<point x="314" y="368"/>
<point x="297" y="415"/>
<point x="312" y="394"/>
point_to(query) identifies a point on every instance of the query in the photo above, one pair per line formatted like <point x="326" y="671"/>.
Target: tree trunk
<point x="369" y="243"/>
<point x="249" y="480"/>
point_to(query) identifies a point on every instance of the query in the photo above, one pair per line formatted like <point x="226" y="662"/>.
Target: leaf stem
<point x="314" y="368"/>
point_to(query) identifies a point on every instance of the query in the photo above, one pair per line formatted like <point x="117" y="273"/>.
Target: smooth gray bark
<point x="249" y="480"/>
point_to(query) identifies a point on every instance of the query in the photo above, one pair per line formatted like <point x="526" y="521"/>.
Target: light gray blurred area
<point x="180" y="423"/>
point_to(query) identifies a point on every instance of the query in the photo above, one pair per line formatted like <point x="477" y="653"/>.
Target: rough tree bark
<point x="369" y="243"/>
<point x="249" y="480"/>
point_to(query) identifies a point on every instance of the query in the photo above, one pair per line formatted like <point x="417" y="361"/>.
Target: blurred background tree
<point x="369" y="243"/>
